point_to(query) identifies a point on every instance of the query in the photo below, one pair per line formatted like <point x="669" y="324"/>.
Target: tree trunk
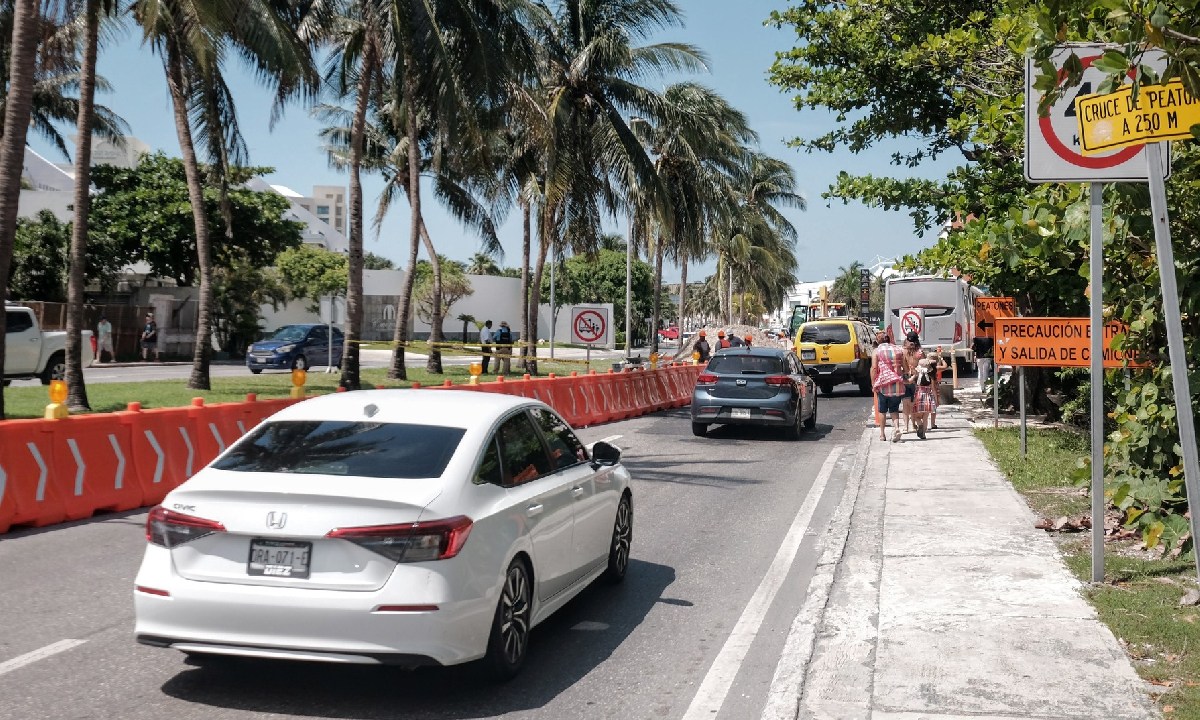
<point x="351" y="378"/>
<point x="18" y="105"/>
<point x="434" y="363"/>
<point x="682" y="291"/>
<point x="535" y="287"/>
<point x="655" y="305"/>
<point x="526" y="321"/>
<point x="77" y="399"/>
<point x="400" y="337"/>
<point x="176" y="84"/>
<point x="722" y="296"/>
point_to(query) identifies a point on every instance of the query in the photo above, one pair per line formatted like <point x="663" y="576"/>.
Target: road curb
<point x="783" y="697"/>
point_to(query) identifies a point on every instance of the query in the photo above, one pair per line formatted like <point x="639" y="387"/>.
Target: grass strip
<point x="1139" y="599"/>
<point x="30" y="401"/>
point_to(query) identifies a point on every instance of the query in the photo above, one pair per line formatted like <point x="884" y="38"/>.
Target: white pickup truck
<point x="31" y="352"/>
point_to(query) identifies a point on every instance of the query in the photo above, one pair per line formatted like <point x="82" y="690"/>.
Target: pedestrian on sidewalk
<point x="912" y="353"/>
<point x="983" y="347"/>
<point x="104" y="340"/>
<point x="150" y="339"/>
<point x="504" y="341"/>
<point x="937" y="387"/>
<point x="887" y="379"/>
<point x="924" y="404"/>
<point x="485" y="344"/>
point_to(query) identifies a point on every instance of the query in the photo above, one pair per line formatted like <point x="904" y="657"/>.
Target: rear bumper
<point x="840" y="372"/>
<point x="780" y="411"/>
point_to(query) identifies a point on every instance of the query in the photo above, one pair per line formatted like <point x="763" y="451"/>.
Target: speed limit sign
<point x="1052" y="150"/>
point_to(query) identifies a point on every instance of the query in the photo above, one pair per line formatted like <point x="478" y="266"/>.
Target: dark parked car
<point x="296" y="347"/>
<point x="755" y="386"/>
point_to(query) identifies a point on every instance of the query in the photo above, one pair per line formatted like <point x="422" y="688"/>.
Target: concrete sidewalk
<point x="947" y="603"/>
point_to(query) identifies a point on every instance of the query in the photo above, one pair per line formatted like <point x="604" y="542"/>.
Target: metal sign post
<point x="1097" y="374"/>
<point x="1021" y="391"/>
<point x="995" y="392"/>
<point x="1175" y="345"/>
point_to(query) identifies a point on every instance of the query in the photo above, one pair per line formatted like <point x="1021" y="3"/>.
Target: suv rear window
<point x="831" y="334"/>
<point x="378" y="450"/>
<point x="747" y="365"/>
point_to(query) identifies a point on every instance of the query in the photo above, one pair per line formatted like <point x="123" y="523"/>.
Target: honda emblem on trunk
<point x="276" y="520"/>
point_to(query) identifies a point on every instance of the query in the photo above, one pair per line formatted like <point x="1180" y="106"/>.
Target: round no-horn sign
<point x="910" y="321"/>
<point x="588" y="325"/>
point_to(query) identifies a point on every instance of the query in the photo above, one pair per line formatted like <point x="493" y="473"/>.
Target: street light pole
<point x="629" y="290"/>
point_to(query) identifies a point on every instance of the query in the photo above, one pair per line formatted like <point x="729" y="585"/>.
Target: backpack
<point x="503" y="336"/>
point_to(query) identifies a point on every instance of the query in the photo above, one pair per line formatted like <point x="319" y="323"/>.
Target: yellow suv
<point x="837" y="351"/>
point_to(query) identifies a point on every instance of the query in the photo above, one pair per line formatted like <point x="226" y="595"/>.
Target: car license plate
<point x="739" y="412"/>
<point x="808" y="354"/>
<point x="279" y="558"/>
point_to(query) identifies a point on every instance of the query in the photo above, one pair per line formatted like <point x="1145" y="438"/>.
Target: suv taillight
<point x="169" y="528"/>
<point x="411" y="542"/>
<point x="706" y="380"/>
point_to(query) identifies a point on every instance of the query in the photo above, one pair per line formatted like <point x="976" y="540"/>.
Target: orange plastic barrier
<point x="164" y="443"/>
<point x="29" y="495"/>
<point x="94" y="461"/>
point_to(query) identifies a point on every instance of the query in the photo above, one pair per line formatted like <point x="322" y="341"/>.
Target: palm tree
<point x="697" y="148"/>
<point x="845" y="287"/>
<point x="17" y="109"/>
<point x="482" y="264"/>
<point x="193" y="38"/>
<point x="590" y="159"/>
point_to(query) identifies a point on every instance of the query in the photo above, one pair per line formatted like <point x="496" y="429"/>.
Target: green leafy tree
<point x="454" y="287"/>
<point x="311" y="273"/>
<point x="371" y="261"/>
<point x="40" y="259"/>
<point x="146" y="212"/>
<point x="242" y="288"/>
<point x="600" y="278"/>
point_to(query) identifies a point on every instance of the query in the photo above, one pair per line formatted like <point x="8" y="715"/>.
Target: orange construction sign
<point x="987" y="309"/>
<point x="1057" y="342"/>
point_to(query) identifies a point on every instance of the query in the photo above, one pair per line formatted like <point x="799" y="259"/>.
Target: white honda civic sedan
<point x="406" y="527"/>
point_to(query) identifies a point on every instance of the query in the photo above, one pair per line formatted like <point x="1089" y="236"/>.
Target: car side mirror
<point x="605" y="454"/>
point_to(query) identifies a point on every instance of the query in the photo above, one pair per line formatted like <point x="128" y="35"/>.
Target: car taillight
<point x="706" y="379"/>
<point x="411" y="542"/>
<point x="777" y="380"/>
<point x="957" y="332"/>
<point x="169" y="528"/>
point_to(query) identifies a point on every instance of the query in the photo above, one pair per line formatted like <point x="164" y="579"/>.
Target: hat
<point x="720" y="333"/>
<point x="913" y="337"/>
<point x="503" y="323"/>
<point x="701" y="333"/>
<point x="749" y="338"/>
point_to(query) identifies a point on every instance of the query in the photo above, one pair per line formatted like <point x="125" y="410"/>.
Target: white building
<point x="316" y="231"/>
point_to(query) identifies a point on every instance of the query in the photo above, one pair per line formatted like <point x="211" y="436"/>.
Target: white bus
<point x="940" y="309"/>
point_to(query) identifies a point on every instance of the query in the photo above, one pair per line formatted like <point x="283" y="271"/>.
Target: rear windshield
<point x="831" y="334"/>
<point x="746" y="365"/>
<point x="364" y="449"/>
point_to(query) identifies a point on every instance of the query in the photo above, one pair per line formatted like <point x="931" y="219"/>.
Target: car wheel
<point x="811" y="422"/>
<point x="255" y="371"/>
<point x="622" y="540"/>
<point x="793" y="432"/>
<point x="300" y="363"/>
<point x="56" y="368"/>
<point x="508" y="642"/>
<point x="826" y="388"/>
<point x="699" y="429"/>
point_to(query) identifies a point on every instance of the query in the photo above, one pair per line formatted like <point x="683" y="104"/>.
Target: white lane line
<point x="715" y="686"/>
<point x="611" y="438"/>
<point x="21" y="661"/>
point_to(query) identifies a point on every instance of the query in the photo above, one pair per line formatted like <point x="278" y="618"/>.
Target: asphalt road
<point x="724" y="548"/>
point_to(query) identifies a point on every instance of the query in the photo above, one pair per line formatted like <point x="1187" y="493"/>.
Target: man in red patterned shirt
<point x="888" y="369"/>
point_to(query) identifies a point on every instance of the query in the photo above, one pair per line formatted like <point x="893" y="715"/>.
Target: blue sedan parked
<point x="755" y="386"/>
<point x="296" y="347"/>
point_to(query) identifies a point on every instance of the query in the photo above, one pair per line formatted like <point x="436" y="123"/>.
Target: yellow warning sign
<point x="1110" y="121"/>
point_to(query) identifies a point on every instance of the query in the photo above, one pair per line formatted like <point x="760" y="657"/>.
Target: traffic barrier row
<point x="53" y="471"/>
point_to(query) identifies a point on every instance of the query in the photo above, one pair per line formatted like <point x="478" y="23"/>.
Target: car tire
<point x="255" y="371"/>
<point x="793" y="432"/>
<point x="56" y="368"/>
<point x="826" y="388"/>
<point x="508" y="642"/>
<point x="699" y="429"/>
<point x="811" y="422"/>
<point x="300" y="363"/>
<point x="622" y="542"/>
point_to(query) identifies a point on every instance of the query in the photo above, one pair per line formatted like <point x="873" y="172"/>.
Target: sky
<point x="740" y="50"/>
